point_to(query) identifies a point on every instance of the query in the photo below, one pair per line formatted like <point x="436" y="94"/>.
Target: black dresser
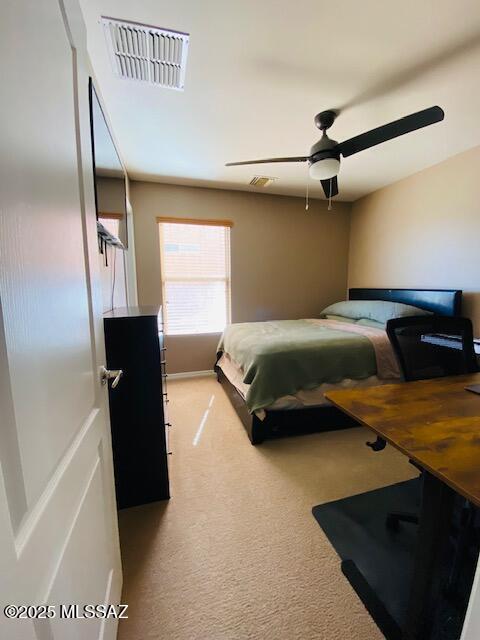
<point x="134" y="343"/>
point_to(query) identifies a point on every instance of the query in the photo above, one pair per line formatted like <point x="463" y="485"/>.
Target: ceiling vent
<point x="145" y="53"/>
<point x="261" y="181"/>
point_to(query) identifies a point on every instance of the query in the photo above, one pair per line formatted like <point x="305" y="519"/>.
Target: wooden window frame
<point x="110" y="216"/>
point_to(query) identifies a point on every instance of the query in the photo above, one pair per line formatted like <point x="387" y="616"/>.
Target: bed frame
<point x="444" y="302"/>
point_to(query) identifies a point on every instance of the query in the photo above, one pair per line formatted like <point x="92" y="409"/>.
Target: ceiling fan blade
<point x="330" y="187"/>
<point x="267" y="160"/>
<point x="391" y="130"/>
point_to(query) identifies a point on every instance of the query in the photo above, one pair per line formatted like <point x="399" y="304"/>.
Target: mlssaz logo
<point x="101" y="611"/>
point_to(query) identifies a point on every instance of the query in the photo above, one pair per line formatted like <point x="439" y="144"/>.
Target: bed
<point x="262" y="413"/>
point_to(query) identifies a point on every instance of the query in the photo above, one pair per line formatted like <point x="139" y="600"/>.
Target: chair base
<point x="393" y="519"/>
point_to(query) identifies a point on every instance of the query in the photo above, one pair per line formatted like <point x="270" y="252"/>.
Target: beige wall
<point x="286" y="262"/>
<point x="423" y="231"/>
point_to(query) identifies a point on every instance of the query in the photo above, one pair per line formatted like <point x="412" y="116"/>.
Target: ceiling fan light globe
<point x="324" y="169"/>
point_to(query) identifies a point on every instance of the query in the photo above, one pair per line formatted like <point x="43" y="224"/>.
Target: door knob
<point x="110" y="374"/>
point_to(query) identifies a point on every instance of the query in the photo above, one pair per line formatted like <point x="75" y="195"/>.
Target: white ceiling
<point x="259" y="70"/>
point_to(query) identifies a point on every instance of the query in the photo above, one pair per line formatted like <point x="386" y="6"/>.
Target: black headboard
<point x="444" y="302"/>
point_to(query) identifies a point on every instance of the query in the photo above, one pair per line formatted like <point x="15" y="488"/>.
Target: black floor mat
<point x="356" y="528"/>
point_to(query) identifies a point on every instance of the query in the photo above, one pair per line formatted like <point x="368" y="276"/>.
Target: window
<point x="110" y="223"/>
<point x="195" y="265"/>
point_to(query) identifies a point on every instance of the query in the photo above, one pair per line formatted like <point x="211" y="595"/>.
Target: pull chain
<point x="306" y="199"/>
<point x="330" y="196"/>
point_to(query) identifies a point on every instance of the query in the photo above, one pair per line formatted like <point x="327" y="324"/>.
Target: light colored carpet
<point x="236" y="553"/>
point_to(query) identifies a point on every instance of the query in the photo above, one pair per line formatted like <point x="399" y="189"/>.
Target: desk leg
<point x="433" y="531"/>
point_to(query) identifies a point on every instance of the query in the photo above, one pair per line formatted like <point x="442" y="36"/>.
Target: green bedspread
<point x="281" y="357"/>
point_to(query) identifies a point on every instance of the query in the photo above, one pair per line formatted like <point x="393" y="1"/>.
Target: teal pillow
<point x="365" y="322"/>
<point x="338" y="318"/>
<point x="377" y="310"/>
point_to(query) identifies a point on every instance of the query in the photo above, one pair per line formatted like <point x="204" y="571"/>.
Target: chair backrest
<point x="433" y="346"/>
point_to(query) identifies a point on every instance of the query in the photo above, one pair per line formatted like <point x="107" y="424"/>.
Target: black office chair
<point x="429" y="347"/>
<point x="432" y="346"/>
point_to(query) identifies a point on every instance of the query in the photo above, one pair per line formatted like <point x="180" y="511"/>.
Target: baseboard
<point x="191" y="374"/>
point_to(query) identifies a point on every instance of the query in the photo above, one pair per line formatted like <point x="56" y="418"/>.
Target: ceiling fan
<point x="324" y="158"/>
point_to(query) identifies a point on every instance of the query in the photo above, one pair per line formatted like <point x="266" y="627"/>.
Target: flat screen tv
<point x="109" y="175"/>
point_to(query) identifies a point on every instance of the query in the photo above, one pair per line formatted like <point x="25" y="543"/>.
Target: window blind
<point x="195" y="266"/>
<point x="110" y="224"/>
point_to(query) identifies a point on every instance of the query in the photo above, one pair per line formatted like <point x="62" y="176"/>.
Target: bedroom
<point x="249" y="545"/>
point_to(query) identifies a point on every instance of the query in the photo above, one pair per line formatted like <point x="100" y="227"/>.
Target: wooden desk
<point x="436" y="423"/>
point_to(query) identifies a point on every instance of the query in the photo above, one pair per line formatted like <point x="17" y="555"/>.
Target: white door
<point x="58" y="527"/>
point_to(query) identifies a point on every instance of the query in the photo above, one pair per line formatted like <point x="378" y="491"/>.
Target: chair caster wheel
<point x="392" y="523"/>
